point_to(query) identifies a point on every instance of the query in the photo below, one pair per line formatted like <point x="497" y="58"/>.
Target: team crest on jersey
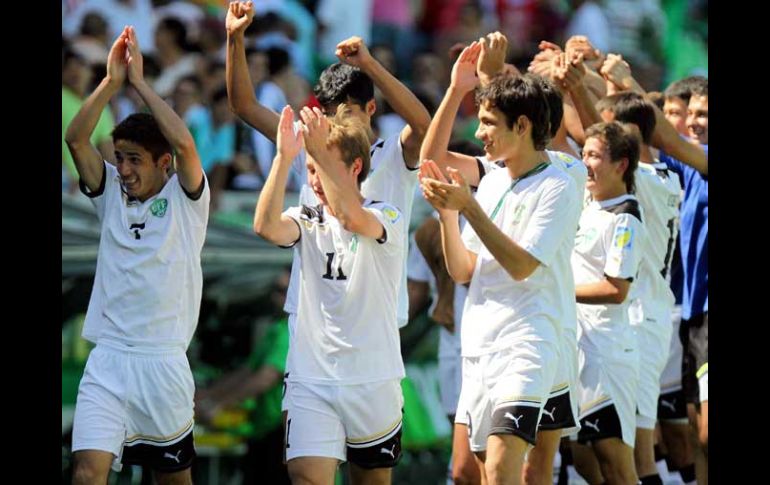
<point x="392" y="214"/>
<point x="624" y="237"/>
<point x="586" y="237"/>
<point x="158" y="208"/>
<point x="518" y="213"/>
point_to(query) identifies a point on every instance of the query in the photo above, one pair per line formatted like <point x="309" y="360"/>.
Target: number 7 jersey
<point x="346" y="329"/>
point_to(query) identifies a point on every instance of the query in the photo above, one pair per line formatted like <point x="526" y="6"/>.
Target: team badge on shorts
<point x="158" y="208"/>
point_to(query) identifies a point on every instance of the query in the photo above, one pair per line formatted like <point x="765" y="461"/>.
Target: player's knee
<point x="615" y="473"/>
<point x="703" y="436"/>
<point x="86" y="472"/>
<point x="535" y="473"/>
<point x="498" y="470"/>
<point x="465" y="473"/>
<point x="300" y="476"/>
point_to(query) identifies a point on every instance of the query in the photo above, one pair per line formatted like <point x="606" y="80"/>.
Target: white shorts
<point x="504" y="392"/>
<point x="561" y="409"/>
<point x="671" y="378"/>
<point x="138" y="405"/>
<point x="703" y="387"/>
<point x="606" y="384"/>
<point x="652" y="324"/>
<point x="287" y="371"/>
<point x="359" y="423"/>
<point x="450" y="373"/>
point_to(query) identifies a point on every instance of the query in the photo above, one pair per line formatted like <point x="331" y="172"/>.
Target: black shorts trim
<point x="557" y="413"/>
<point x="385" y="454"/>
<point x="672" y="406"/>
<point x="166" y="459"/>
<point x="516" y="420"/>
<point x="599" y="425"/>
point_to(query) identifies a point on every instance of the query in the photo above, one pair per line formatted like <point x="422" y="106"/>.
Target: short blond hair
<point x="351" y="138"/>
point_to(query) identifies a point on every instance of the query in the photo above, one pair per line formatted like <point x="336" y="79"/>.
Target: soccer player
<point x="135" y="401"/>
<point x="514" y="248"/>
<point x="605" y="261"/>
<point x="344" y="394"/>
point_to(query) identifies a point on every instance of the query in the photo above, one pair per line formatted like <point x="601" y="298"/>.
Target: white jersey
<point x="538" y="212"/>
<point x="609" y="242"/>
<point x="148" y="283"/>
<point x="346" y="328"/>
<point x="658" y="190"/>
<point x="389" y="180"/>
<point x="572" y="166"/>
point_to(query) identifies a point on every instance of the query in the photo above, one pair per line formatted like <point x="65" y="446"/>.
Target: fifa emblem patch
<point x="624" y="237"/>
<point x="569" y="162"/>
<point x="391" y="214"/>
<point x="158" y="208"/>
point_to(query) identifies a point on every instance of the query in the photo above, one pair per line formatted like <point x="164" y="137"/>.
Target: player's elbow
<point x="349" y="221"/>
<point x="523" y="271"/>
<point x="618" y="296"/>
<point x="263" y="228"/>
<point x="75" y="138"/>
<point x="460" y="276"/>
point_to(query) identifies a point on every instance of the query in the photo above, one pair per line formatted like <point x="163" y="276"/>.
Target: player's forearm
<point x="459" y="263"/>
<point x="584" y="105"/>
<point x="83" y="124"/>
<point x="399" y="97"/>
<point x="572" y="121"/>
<point x="267" y="216"/>
<point x="435" y="146"/>
<point x="595" y="83"/>
<point x="240" y="90"/>
<point x="512" y="257"/>
<point x="171" y="125"/>
<point x="666" y="138"/>
<point x="602" y="292"/>
<point x="343" y="198"/>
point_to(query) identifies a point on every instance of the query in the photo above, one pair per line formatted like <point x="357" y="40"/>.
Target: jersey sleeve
<point x="107" y="187"/>
<point x="393" y="222"/>
<point x="624" y="251"/>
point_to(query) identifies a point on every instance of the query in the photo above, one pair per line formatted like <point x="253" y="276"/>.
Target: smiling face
<point x="675" y="111"/>
<point x="141" y="176"/>
<point x="698" y="119"/>
<point x="499" y="140"/>
<point x="605" y="176"/>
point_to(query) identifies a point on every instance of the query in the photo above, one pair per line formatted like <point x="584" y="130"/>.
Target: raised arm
<point x="436" y="144"/>
<point x="665" y="137"/>
<point x="188" y="163"/>
<point x="353" y="51"/>
<point x="339" y="188"/>
<point x="240" y="91"/>
<point x="88" y="161"/>
<point x="269" y="221"/>
<point x="570" y="73"/>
